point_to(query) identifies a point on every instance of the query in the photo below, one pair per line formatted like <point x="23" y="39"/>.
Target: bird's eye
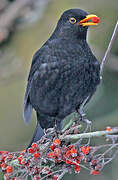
<point x="72" y="20"/>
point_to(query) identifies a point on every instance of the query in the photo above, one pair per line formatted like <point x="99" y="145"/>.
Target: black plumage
<point x="64" y="72"/>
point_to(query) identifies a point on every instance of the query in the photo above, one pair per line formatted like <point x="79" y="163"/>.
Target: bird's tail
<point x="38" y="133"/>
<point x="43" y="122"/>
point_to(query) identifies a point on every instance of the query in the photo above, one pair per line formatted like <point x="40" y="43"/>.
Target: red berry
<point x="108" y="128"/>
<point x="23" y="162"/>
<point x="71" y="146"/>
<point x="73" y="152"/>
<point x="19" y="159"/>
<point x="52" y="147"/>
<point x="31" y="150"/>
<point x="68" y="153"/>
<point x="10" y="156"/>
<point x="4" y="152"/>
<point x="95" y="172"/>
<point x="2" y="158"/>
<point x="55" y="177"/>
<point x="24" y="150"/>
<point x="57" y="151"/>
<point x="82" y="148"/>
<point x="37" y="155"/>
<point x="69" y="162"/>
<point x="85" y="150"/>
<point x="13" y="178"/>
<point x="96" y="19"/>
<point x="34" y="145"/>
<point x="9" y="169"/>
<point x="49" y="172"/>
<point x="36" y="178"/>
<point x="51" y="155"/>
<point x="77" y="168"/>
<point x="57" y="142"/>
<point x="3" y="165"/>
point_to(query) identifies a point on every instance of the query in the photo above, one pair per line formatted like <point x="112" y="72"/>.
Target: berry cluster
<point x="65" y="154"/>
<point x="73" y="156"/>
<point x="39" y="163"/>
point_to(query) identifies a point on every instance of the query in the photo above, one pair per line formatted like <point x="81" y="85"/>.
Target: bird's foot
<point x="57" y="131"/>
<point x="86" y="121"/>
<point x="50" y="132"/>
<point x="81" y="114"/>
<point x="82" y="117"/>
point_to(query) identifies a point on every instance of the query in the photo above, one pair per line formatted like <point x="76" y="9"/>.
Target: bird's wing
<point x="27" y="113"/>
<point x="41" y="71"/>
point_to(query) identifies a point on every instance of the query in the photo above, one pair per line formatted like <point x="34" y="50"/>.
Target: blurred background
<point x="24" y="26"/>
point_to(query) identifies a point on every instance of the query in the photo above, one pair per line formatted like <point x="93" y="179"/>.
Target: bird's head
<point x="75" y="22"/>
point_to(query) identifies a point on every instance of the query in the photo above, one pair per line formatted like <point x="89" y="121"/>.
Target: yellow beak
<point x="94" y="20"/>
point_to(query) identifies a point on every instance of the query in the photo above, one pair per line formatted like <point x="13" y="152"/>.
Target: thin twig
<point x="114" y="155"/>
<point x="72" y="129"/>
<point x="102" y="146"/>
<point x="89" y="135"/>
<point x="113" y="146"/>
<point x="62" y="174"/>
<point x="109" y="47"/>
<point x="54" y="172"/>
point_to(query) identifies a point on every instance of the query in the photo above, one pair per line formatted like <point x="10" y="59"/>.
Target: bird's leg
<point x="80" y="110"/>
<point x="49" y="132"/>
<point x="81" y="113"/>
<point x="55" y="130"/>
<point x="88" y="126"/>
<point x="83" y="119"/>
<point x="45" y="132"/>
<point x="57" y="127"/>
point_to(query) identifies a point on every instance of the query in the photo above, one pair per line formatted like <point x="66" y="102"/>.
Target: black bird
<point x="64" y="73"/>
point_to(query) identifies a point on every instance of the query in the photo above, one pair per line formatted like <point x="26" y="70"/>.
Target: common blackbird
<point x="64" y="73"/>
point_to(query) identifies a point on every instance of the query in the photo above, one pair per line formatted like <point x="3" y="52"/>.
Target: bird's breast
<point x="78" y="82"/>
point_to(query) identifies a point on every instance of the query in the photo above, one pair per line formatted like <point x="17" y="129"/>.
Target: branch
<point x="52" y="156"/>
<point x="109" y="47"/>
<point x="89" y="135"/>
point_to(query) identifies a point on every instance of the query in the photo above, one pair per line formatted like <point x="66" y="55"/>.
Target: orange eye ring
<point x="72" y="20"/>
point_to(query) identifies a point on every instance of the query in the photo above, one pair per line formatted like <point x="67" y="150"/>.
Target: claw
<point x="87" y="122"/>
